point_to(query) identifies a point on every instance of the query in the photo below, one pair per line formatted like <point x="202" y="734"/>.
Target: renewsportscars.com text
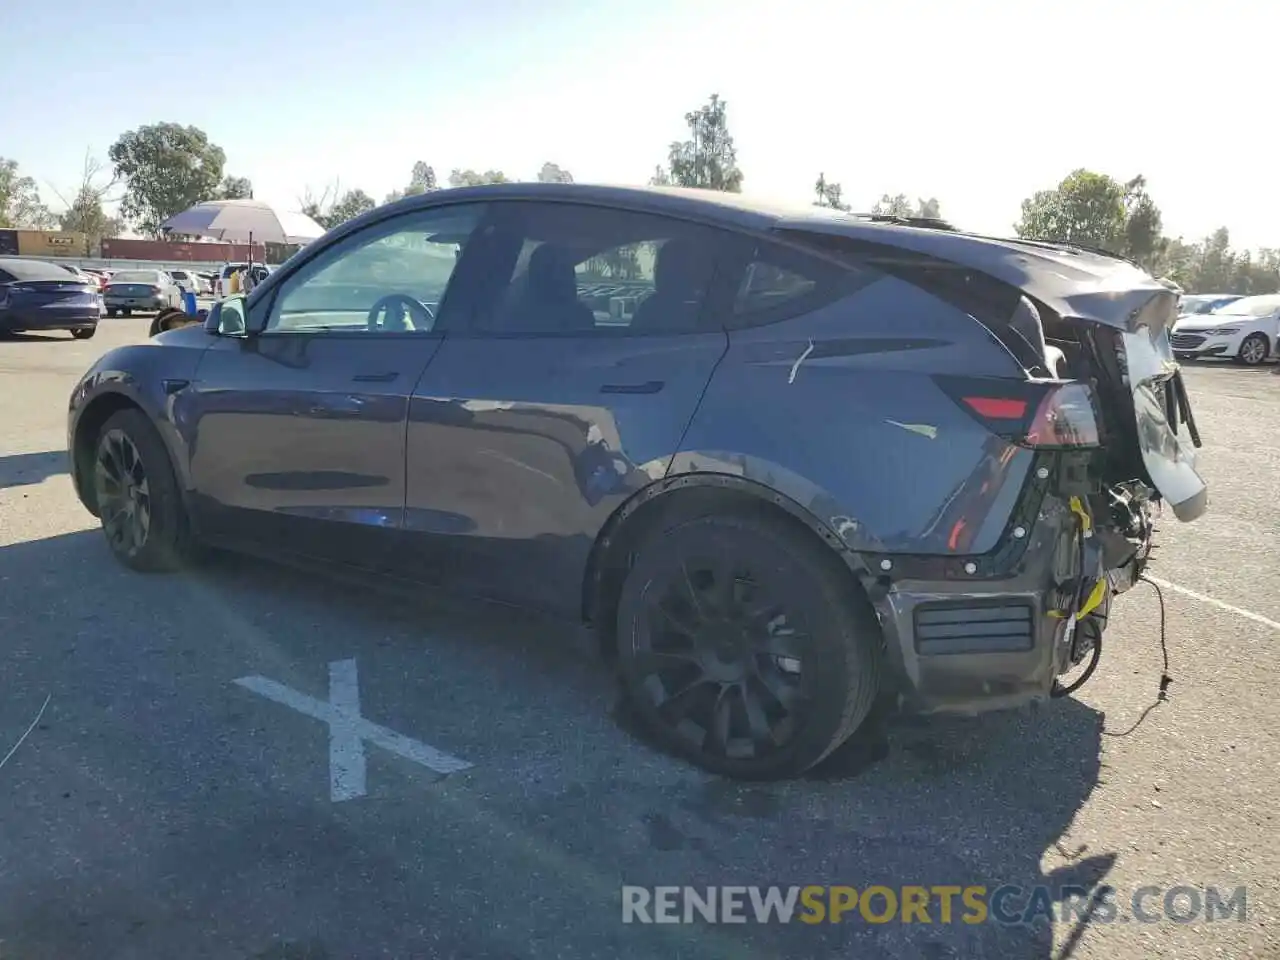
<point x="1008" y="905"/>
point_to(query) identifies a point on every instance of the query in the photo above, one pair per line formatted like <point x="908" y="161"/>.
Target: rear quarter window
<point x="781" y="281"/>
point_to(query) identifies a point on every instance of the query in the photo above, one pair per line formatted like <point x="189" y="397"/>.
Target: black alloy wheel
<point x="84" y="333"/>
<point x="123" y="493"/>
<point x="137" y="496"/>
<point x="745" y="647"/>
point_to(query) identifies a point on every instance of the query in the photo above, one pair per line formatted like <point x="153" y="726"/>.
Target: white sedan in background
<point x="1244" y="330"/>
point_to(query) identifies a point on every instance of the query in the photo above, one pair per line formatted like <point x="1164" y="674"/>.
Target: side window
<point x="781" y="281"/>
<point x="583" y="270"/>
<point x="389" y="278"/>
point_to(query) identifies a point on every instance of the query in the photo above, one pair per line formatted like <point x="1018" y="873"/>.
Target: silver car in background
<point x="148" y="291"/>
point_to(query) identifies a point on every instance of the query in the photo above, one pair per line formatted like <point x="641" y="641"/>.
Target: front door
<point x="588" y="350"/>
<point x="299" y="429"/>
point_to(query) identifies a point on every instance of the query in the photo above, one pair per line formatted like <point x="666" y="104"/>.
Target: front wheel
<point x="112" y="311"/>
<point x="745" y="647"/>
<point x="84" y="333"/>
<point x="1254" y="349"/>
<point x="137" y="495"/>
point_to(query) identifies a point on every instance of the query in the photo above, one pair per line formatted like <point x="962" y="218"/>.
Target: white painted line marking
<point x="1238" y="611"/>
<point x="349" y="731"/>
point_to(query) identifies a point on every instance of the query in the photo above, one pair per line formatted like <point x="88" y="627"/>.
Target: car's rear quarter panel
<point x="836" y="409"/>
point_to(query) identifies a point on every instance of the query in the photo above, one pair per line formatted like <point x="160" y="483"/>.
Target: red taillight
<point x="1032" y="413"/>
<point x="997" y="408"/>
<point x="1065" y="418"/>
<point x="157" y="290"/>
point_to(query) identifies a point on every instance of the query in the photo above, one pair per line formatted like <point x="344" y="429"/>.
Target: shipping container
<point x="8" y="243"/>
<point x="52" y="243"/>
<point x="121" y="248"/>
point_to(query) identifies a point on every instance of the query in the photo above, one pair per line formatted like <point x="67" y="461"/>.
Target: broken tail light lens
<point x="1052" y="415"/>
<point x="1065" y="419"/>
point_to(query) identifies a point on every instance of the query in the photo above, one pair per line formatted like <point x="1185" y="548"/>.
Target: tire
<point x="166" y="542"/>
<point x="810" y="691"/>
<point x="84" y="333"/>
<point x="126" y="311"/>
<point x="1254" y="349"/>
<point x="112" y="311"/>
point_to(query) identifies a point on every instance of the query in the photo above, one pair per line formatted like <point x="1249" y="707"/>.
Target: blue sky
<point x="977" y="103"/>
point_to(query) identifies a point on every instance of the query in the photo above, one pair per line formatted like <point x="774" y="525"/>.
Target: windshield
<point x="1250" y="307"/>
<point x="135" y="276"/>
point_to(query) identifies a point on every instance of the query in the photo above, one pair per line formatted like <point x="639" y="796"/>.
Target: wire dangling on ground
<point x="1165" y="678"/>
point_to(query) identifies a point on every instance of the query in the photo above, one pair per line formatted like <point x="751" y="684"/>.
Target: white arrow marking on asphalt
<point x="348" y="730"/>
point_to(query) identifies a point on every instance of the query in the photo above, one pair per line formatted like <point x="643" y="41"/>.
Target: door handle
<point x="348" y="406"/>
<point x="649" y="386"/>
<point x="385" y="377"/>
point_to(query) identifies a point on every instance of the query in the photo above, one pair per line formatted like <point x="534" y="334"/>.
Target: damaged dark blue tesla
<point x="786" y="461"/>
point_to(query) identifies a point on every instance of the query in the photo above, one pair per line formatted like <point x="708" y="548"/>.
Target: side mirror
<point x="228" y="318"/>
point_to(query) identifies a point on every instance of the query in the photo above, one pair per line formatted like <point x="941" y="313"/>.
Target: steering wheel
<point x="403" y="313"/>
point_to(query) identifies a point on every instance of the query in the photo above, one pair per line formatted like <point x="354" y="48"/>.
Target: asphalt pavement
<point x="486" y="798"/>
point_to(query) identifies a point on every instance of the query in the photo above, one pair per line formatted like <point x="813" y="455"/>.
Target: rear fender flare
<point x="601" y="561"/>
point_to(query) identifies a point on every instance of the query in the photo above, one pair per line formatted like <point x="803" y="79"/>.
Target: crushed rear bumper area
<point x="990" y="642"/>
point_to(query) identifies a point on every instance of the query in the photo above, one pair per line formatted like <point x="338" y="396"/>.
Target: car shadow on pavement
<point x="23" y="469"/>
<point x="34" y="337"/>
<point x="940" y="802"/>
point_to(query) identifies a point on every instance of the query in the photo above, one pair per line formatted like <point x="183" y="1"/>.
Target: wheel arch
<point x="88" y="425"/>
<point x="684" y="497"/>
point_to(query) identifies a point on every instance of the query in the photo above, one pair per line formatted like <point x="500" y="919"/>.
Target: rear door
<point x="590" y="345"/>
<point x="300" y="430"/>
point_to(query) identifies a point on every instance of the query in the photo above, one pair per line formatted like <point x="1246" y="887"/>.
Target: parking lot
<point x="161" y="809"/>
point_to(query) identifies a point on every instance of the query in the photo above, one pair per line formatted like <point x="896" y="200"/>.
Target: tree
<point x="166" y="168"/>
<point x="86" y="212"/>
<point x="660" y="178"/>
<point x="708" y="159"/>
<point x="929" y="209"/>
<point x="235" y="188"/>
<point x="554" y="173"/>
<point x="829" y="194"/>
<point x="469" y="178"/>
<point x="1086" y="208"/>
<point x="352" y="204"/>
<point x="1143" y="238"/>
<point x="20" y="203"/>
<point x="422" y="179"/>
<point x="333" y="207"/>
<point x="895" y="206"/>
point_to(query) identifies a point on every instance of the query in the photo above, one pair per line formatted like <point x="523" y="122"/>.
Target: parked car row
<point x="1244" y="329"/>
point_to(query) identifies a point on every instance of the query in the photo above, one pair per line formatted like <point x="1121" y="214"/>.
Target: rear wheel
<point x="137" y="495"/>
<point x="127" y="311"/>
<point x="84" y="333"/>
<point x="744" y="647"/>
<point x="1254" y="349"/>
<point x="112" y="311"/>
